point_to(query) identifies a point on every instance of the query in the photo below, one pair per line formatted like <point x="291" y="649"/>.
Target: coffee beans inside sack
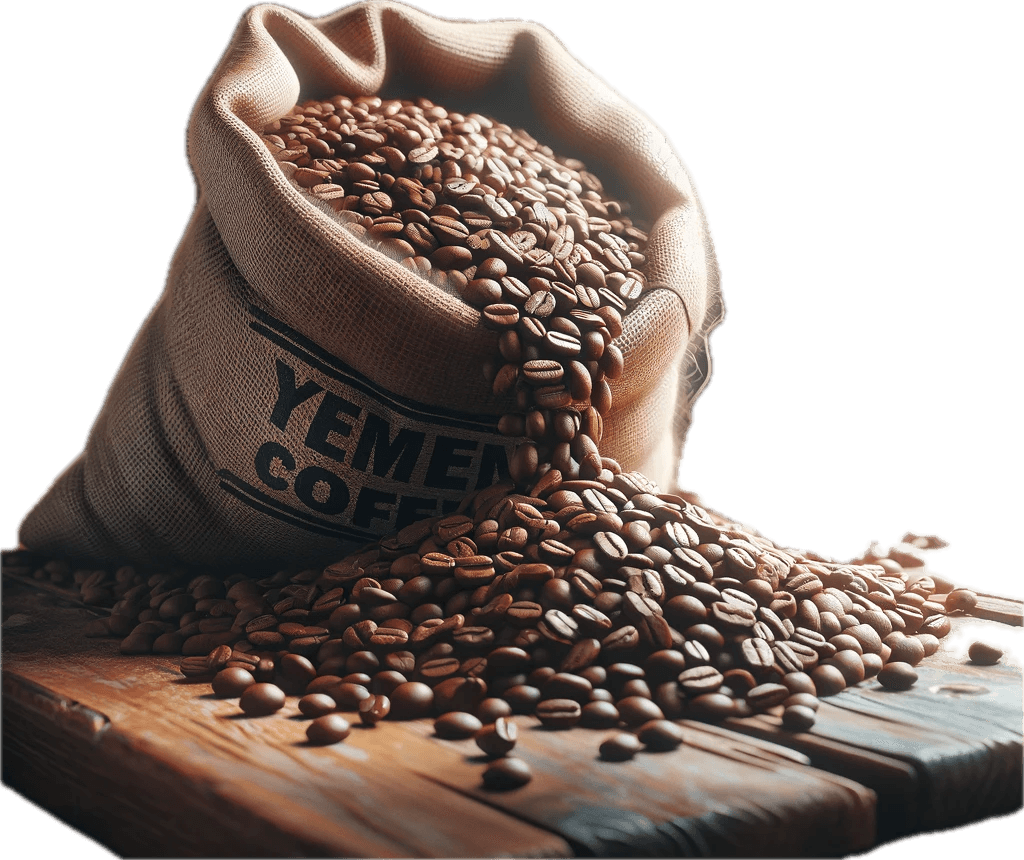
<point x="313" y="376"/>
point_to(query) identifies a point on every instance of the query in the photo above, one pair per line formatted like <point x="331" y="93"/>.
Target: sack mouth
<point x="515" y="71"/>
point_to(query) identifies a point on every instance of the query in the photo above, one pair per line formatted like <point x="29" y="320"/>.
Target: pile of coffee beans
<point x="578" y="593"/>
<point x="482" y="209"/>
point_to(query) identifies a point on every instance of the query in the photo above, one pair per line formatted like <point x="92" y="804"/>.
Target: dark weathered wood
<point x="719" y="795"/>
<point x="149" y="764"/>
<point x="945" y="753"/>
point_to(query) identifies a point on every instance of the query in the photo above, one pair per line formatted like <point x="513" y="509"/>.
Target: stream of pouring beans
<point x="576" y="593"/>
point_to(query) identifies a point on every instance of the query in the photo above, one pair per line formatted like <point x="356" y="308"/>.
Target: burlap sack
<point x="294" y="394"/>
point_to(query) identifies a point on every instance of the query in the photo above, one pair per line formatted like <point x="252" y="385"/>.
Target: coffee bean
<point x="740" y="681"/>
<point x="457" y="725"/>
<point x="905" y="649"/>
<point x="374" y="709"/>
<point x="316" y="705"/>
<point x="230" y="683"/>
<point x="507" y="773"/>
<point x="620" y="746"/>
<point x="828" y="680"/>
<point x="637" y="710"/>
<point x="564" y="685"/>
<point x="961" y="600"/>
<point x="660" y="735"/>
<point x="798" y="718"/>
<point x="700" y="680"/>
<point x="757" y="654"/>
<point x="490" y="709"/>
<point x="983" y="654"/>
<point x="558" y="713"/>
<point x="261" y="699"/>
<point x="346" y="694"/>
<point x="712" y="706"/>
<point x="765" y="696"/>
<point x="850" y="664"/>
<point x="498" y="738"/>
<point x="328" y="729"/>
<point x="599" y="715"/>
<point x="897" y="676"/>
<point x="411" y="700"/>
<point x="799" y="682"/>
<point x="523" y="698"/>
<point x="664" y="665"/>
<point x="807" y="700"/>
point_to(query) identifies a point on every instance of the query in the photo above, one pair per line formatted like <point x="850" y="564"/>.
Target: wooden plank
<point x="151" y="765"/>
<point x="945" y="753"/>
<point x="170" y="770"/>
<point x="719" y="795"/>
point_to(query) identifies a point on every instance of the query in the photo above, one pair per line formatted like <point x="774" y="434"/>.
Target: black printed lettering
<point x="327" y="421"/>
<point x="444" y="459"/>
<point x="375" y="440"/>
<point x="366" y="507"/>
<point x="493" y="466"/>
<point x="267" y="453"/>
<point x="411" y="509"/>
<point x="330" y="498"/>
<point x="288" y="396"/>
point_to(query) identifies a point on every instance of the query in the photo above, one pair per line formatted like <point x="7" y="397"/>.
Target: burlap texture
<point x="294" y="393"/>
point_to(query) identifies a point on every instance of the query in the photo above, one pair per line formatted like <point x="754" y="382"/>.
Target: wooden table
<point x="149" y="764"/>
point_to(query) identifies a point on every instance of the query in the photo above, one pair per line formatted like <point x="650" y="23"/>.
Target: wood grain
<point x="152" y="765"/>
<point x="130" y="752"/>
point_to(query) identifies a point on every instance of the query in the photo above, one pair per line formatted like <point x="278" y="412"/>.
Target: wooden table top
<point x="151" y="764"/>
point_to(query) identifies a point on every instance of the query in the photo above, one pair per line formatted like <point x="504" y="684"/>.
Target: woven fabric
<point x="295" y="393"/>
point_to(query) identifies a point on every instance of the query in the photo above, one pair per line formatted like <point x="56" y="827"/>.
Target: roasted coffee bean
<point x="490" y="709"/>
<point x="497" y="739"/>
<point x="851" y="665"/>
<point x="712" y="706"/>
<point x="700" y="680"/>
<point x="564" y="685"/>
<point x="558" y="713"/>
<point x="983" y="654"/>
<point x="798" y="718"/>
<point x="374" y="709"/>
<point x="459" y="694"/>
<point x="317" y="704"/>
<point x="411" y="700"/>
<point x="765" y="696"/>
<point x="328" y="729"/>
<point x="347" y="695"/>
<point x="636" y="710"/>
<point x="660" y="735"/>
<point x="905" y="649"/>
<point x="828" y="680"/>
<point x="961" y="600"/>
<point x="523" y="698"/>
<point x="599" y="715"/>
<point x="897" y="676"/>
<point x="296" y="671"/>
<point x="757" y="654"/>
<point x="457" y="725"/>
<point x="507" y="773"/>
<point x="230" y="683"/>
<point x="261" y="699"/>
<point x="664" y="665"/>
<point x="620" y="746"/>
<point x="799" y="682"/>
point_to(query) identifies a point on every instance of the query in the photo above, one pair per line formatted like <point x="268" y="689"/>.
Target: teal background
<point x="860" y="169"/>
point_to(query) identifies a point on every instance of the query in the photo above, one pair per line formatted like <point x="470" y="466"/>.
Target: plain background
<point x="860" y="169"/>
